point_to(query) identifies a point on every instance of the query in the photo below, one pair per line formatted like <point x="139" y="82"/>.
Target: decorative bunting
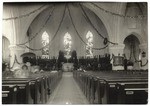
<point x="15" y="61"/>
<point x="53" y="36"/>
<point x="78" y="32"/>
<point x="25" y="15"/>
<point x="51" y="12"/>
<point x="88" y="20"/>
<point x="105" y="39"/>
<point x="116" y="14"/>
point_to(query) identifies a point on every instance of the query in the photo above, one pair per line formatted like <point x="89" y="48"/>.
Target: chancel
<point x="75" y="53"/>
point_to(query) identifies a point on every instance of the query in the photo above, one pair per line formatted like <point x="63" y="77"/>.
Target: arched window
<point x="67" y="45"/>
<point x="89" y="44"/>
<point x="45" y="41"/>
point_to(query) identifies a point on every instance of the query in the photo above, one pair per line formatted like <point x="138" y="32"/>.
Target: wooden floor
<point x="67" y="92"/>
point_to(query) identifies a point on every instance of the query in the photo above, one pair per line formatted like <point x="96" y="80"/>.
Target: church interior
<point x="75" y="53"/>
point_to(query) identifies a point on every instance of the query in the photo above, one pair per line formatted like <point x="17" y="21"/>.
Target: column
<point x="16" y="50"/>
<point x="116" y="50"/>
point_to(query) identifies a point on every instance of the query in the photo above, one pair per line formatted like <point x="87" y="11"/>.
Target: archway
<point x="132" y="50"/>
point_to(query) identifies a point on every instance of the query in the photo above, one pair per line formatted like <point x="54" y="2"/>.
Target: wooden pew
<point x="35" y="89"/>
<point x="112" y="90"/>
<point x="23" y="95"/>
<point x="49" y="81"/>
<point x="43" y="79"/>
<point x="133" y="92"/>
<point x="9" y="93"/>
<point x="35" y="84"/>
<point x="107" y="87"/>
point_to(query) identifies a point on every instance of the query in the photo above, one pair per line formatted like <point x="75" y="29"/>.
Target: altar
<point x="67" y="67"/>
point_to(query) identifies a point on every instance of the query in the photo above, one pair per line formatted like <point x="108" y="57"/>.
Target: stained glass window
<point x="89" y="44"/>
<point x="67" y="45"/>
<point x="45" y="42"/>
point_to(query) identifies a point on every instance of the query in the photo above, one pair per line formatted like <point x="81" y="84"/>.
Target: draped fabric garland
<point x="78" y="32"/>
<point x="53" y="36"/>
<point x="59" y="28"/>
<point x="24" y="15"/>
<point x="74" y="28"/>
<point x="74" y="25"/>
<point x="116" y="14"/>
<point x="95" y="5"/>
<point x="33" y="36"/>
<point x="89" y="21"/>
<point x="15" y="61"/>
<point x="106" y="41"/>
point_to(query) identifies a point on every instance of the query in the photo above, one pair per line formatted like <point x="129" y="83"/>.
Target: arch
<point x="31" y="19"/>
<point x="135" y="34"/>
<point x="122" y="9"/>
<point x="101" y="17"/>
<point x="6" y="37"/>
<point x="132" y="50"/>
<point x="119" y="8"/>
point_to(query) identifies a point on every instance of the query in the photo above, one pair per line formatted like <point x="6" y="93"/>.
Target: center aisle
<point x="68" y="92"/>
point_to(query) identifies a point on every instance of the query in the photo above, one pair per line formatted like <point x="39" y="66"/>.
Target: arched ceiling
<point x="80" y="22"/>
<point x="25" y="7"/>
<point x="78" y="19"/>
<point x="140" y="8"/>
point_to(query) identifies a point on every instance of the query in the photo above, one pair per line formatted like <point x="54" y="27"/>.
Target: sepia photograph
<point x="74" y="52"/>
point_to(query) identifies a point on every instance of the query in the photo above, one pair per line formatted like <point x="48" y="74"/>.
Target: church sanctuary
<point x="74" y="53"/>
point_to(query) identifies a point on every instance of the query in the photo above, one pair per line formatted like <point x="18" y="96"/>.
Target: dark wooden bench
<point x="116" y="88"/>
<point x="132" y="92"/>
<point x="109" y="87"/>
<point x="9" y="93"/>
<point x="35" y="89"/>
<point x="112" y="90"/>
<point x="23" y="94"/>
